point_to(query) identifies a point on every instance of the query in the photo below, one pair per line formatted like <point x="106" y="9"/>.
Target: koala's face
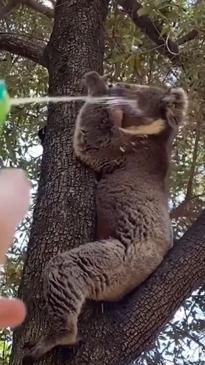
<point x="148" y="99"/>
<point x="152" y="103"/>
<point x="135" y="106"/>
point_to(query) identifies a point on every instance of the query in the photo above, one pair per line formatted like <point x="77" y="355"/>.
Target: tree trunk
<point x="64" y="214"/>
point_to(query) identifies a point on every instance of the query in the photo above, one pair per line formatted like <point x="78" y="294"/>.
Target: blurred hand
<point x="14" y="203"/>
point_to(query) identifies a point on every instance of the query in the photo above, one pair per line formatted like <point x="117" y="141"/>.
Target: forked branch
<point x="153" y="31"/>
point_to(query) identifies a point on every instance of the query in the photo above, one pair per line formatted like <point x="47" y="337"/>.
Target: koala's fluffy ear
<point x="95" y="84"/>
<point x="175" y="103"/>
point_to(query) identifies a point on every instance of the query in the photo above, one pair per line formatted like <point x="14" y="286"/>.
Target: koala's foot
<point x="54" y="338"/>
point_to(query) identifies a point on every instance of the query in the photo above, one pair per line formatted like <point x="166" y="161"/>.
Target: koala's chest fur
<point x="135" y="196"/>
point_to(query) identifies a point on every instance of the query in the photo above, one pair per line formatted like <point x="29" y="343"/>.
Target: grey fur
<point x="134" y="229"/>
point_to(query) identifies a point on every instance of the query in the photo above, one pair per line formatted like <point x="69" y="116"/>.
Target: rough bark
<point x="65" y="210"/>
<point x="64" y="216"/>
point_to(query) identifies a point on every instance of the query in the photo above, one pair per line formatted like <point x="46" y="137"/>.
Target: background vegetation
<point x="130" y="56"/>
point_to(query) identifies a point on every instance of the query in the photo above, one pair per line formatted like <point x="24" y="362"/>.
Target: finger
<point x="14" y="202"/>
<point x="12" y="312"/>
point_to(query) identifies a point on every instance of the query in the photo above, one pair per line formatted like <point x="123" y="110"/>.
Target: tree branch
<point x="187" y="208"/>
<point x="165" y="45"/>
<point x="187" y="334"/>
<point x="40" y="8"/>
<point x="182" y="210"/>
<point x="189" y="192"/>
<point x="153" y="30"/>
<point x="24" y="47"/>
<point x="7" y="9"/>
<point x="188" y="37"/>
<point x="36" y="6"/>
<point x="126" y="329"/>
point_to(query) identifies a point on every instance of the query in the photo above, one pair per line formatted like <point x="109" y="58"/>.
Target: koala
<point x="118" y="142"/>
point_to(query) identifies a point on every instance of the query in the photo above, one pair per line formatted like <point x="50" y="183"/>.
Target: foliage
<point x="129" y="56"/>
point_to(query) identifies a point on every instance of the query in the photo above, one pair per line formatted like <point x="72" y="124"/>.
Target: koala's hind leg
<point x="96" y="271"/>
<point x="64" y="304"/>
<point x="63" y="331"/>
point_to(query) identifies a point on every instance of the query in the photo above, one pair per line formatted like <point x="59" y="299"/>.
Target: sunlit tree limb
<point x="24" y="47"/>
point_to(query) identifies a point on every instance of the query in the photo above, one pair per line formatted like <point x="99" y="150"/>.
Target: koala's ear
<point x="116" y="115"/>
<point x="176" y="102"/>
<point x="95" y="84"/>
